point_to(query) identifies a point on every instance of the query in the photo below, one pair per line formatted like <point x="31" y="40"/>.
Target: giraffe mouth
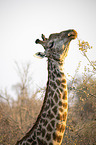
<point x="72" y="34"/>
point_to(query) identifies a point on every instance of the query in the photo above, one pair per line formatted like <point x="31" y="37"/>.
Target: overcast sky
<point x="23" y="21"/>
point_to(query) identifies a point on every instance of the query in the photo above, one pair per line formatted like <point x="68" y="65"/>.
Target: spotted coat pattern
<point x="50" y="125"/>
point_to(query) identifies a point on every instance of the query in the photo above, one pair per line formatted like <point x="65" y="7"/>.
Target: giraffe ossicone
<point x="51" y="122"/>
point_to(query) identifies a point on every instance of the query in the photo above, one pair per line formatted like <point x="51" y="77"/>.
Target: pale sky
<point x="23" y="21"/>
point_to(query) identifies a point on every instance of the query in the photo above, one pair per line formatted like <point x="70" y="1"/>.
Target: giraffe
<point x="50" y="124"/>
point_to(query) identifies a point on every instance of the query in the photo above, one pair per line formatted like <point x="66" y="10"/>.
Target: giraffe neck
<point x="56" y="105"/>
<point x="50" y="125"/>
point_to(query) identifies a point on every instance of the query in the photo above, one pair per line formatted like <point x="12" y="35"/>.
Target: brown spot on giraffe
<point x="57" y="137"/>
<point x="60" y="127"/>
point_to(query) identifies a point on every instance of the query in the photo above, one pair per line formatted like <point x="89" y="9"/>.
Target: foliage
<point x="16" y="117"/>
<point x="83" y="47"/>
<point x="81" y="123"/>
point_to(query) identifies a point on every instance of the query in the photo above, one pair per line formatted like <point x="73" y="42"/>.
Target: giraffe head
<point x="56" y="46"/>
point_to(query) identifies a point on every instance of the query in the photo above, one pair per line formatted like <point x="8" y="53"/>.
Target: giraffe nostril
<point x="72" y="34"/>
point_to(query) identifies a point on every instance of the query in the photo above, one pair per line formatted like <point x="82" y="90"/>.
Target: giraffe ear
<point x="39" y="55"/>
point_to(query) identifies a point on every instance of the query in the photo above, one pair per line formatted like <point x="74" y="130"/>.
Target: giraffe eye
<point x="51" y="44"/>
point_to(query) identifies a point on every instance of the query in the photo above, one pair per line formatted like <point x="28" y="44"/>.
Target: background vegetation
<point x="17" y="116"/>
